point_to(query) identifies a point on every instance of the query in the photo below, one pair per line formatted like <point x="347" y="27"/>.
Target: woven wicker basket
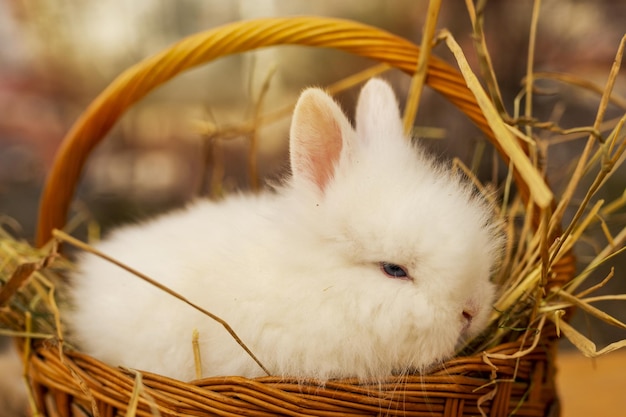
<point x="71" y="383"/>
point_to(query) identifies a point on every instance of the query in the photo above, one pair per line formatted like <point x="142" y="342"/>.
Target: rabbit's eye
<point x="394" y="271"/>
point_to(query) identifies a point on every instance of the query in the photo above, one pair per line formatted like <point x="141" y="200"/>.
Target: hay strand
<point x="419" y="78"/>
<point x="539" y="191"/>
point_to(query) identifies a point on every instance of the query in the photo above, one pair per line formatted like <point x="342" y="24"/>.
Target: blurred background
<point x="57" y="55"/>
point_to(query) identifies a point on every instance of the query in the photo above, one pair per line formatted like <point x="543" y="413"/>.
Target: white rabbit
<point x="370" y="260"/>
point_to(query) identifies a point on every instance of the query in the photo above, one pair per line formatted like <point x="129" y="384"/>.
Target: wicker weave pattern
<point x="523" y="387"/>
<point x="73" y="384"/>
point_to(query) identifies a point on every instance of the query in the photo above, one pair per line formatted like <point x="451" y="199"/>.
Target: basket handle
<point x="137" y="81"/>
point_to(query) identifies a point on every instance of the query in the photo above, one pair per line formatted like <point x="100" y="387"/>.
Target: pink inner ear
<point x="316" y="137"/>
<point x="324" y="157"/>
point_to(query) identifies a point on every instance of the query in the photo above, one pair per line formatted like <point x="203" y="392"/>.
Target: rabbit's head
<point x="409" y="245"/>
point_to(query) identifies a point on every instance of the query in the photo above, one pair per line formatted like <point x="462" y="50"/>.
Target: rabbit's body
<point x="370" y="260"/>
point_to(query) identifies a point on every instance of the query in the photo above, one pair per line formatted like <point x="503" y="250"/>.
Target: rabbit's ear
<point x="320" y="131"/>
<point x="377" y="113"/>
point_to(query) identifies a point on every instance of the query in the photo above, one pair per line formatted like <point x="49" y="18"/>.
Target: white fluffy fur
<point x="297" y="273"/>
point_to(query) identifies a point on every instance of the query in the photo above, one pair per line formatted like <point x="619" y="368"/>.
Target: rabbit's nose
<point x="467" y="317"/>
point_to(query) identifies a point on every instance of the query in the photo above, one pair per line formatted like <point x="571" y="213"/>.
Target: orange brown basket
<point x="514" y="378"/>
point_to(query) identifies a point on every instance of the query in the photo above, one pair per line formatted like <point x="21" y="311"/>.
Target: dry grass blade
<point x="574" y="80"/>
<point x="17" y="280"/>
<point x="584" y="305"/>
<point x="539" y="191"/>
<point x="253" y="137"/>
<point x="615" y="205"/>
<point x="605" y="254"/>
<point x="484" y="59"/>
<point x="131" y="411"/>
<point x="609" y="154"/>
<point x="569" y="242"/>
<point x="566" y="198"/>
<point x="197" y="358"/>
<point x="606" y="231"/>
<point x="26" y="276"/>
<point x="616" y="297"/>
<point x="596" y="287"/>
<point x="22" y="273"/>
<point x="528" y="108"/>
<point x="523" y="352"/>
<point x="353" y="80"/>
<point x="586" y="346"/>
<point x="138" y="391"/>
<point x="229" y="132"/>
<point x="561" y="305"/>
<point x="608" y="165"/>
<point x="25" y="334"/>
<point x="419" y="78"/>
<point x="26" y="355"/>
